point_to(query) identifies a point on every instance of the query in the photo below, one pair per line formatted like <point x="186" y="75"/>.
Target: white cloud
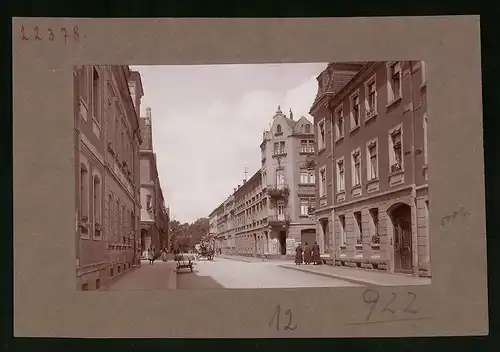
<point x="208" y="123"/>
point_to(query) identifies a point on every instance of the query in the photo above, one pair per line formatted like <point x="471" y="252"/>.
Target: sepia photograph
<point x="261" y="171"/>
<point x="248" y="176"/>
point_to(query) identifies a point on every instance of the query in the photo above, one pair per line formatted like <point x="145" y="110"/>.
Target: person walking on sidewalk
<point x="151" y="255"/>
<point x="316" y="256"/>
<point x="298" y="255"/>
<point x="307" y="254"/>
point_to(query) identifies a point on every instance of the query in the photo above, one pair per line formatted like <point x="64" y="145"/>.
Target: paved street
<point x="230" y="273"/>
<point x="146" y="277"/>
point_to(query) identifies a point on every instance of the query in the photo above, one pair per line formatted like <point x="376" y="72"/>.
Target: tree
<point x="187" y="235"/>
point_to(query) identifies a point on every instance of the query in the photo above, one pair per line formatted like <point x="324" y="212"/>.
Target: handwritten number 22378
<point x="276" y="318"/>
<point x="51" y="35"/>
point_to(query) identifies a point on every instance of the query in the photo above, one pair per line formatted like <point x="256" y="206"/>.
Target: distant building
<point x="270" y="212"/>
<point x="371" y="125"/>
<point x="107" y="143"/>
<point x="154" y="216"/>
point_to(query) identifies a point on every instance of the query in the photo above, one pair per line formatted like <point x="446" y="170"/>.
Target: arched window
<point x="278" y="129"/>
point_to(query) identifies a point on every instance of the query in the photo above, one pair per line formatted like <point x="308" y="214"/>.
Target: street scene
<point x="251" y="176"/>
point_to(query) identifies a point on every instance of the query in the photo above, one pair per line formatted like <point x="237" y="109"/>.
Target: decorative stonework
<point x="396" y="178"/>
<point x="372" y="186"/>
<point x="340" y="196"/>
<point x="357" y="191"/>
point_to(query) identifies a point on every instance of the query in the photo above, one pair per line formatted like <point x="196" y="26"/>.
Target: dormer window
<point x="307" y="128"/>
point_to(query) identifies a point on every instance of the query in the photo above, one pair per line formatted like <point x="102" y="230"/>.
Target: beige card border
<point x="46" y="302"/>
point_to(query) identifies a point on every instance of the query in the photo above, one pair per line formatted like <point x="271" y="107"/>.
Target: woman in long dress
<point x="298" y="255"/>
<point x="151" y="255"/>
<point x="307" y="254"/>
<point x="316" y="254"/>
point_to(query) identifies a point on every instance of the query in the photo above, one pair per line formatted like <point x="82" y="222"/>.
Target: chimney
<point x="148" y="113"/>
<point x="291" y="114"/>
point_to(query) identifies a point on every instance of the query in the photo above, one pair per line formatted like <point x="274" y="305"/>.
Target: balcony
<point x="278" y="191"/>
<point x="278" y="220"/>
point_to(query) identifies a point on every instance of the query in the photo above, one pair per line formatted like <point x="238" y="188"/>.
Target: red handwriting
<point x="37" y="34"/>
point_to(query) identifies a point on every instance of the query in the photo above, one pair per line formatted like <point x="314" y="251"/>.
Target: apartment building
<point x="107" y="143"/>
<point x="226" y="226"/>
<point x="378" y="167"/>
<point x="287" y="155"/>
<point x="154" y="215"/>
<point x="251" y="233"/>
<point x="340" y="74"/>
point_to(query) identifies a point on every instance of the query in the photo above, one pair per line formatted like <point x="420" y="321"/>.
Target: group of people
<point x="152" y="254"/>
<point x="308" y="254"/>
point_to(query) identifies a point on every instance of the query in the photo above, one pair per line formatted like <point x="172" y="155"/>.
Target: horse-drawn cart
<point x="206" y="252"/>
<point x="184" y="261"/>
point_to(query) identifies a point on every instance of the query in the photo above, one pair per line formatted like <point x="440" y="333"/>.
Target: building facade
<point x="287" y="155"/>
<point x="377" y="167"/>
<point x="107" y="183"/>
<point x="341" y="73"/>
<point x="154" y="215"/>
<point x="270" y="212"/>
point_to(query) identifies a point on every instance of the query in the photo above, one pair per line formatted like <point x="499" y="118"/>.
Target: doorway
<point x="282" y="242"/>
<point x="401" y="221"/>
<point x="326" y="235"/>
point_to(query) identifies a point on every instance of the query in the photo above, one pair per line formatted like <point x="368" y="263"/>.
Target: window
<point x="96" y="95"/>
<point x="322" y="182"/>
<point x="117" y="127"/>
<point x="343" y="239"/>
<point x="278" y="129"/>
<point x="356" y="166"/>
<point x="303" y="146"/>
<point x="281" y="209"/>
<point x="84" y="193"/>
<point x="304" y="177"/>
<point x="375" y="225"/>
<point x="149" y="202"/>
<point x="372" y="169"/>
<point x="280" y="177"/>
<point x="96" y="206"/>
<point x="371" y="97"/>
<point x="307" y="128"/>
<point x="359" y="227"/>
<point x="304" y="206"/>
<point x="276" y="148"/>
<point x="312" y="178"/>
<point x="279" y="148"/>
<point x="396" y="156"/>
<point x="311" y="146"/>
<point x="394" y="79"/>
<point x="355" y="118"/>
<point x="339" y="118"/>
<point x="425" y="138"/>
<point x="321" y="135"/>
<point x="340" y="176"/>
<point x="82" y="84"/>
<point x="422" y="68"/>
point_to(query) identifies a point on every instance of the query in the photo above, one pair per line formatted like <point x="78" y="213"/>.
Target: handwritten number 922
<point x="371" y="297"/>
<point x="51" y="36"/>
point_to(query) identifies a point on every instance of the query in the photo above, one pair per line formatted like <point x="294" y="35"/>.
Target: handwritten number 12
<point x="276" y="317"/>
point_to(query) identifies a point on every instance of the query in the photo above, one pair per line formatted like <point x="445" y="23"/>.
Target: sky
<point x="207" y="124"/>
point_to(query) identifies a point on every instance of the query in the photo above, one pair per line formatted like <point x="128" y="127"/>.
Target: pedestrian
<point x="163" y="254"/>
<point x="316" y="256"/>
<point x="307" y="254"/>
<point x="298" y="255"/>
<point x="151" y="255"/>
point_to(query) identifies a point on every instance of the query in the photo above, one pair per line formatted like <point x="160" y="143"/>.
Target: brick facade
<point x="376" y="166"/>
<point x="107" y="177"/>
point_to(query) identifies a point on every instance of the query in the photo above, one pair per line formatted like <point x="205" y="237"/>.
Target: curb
<point x="242" y="260"/>
<point x="354" y="281"/>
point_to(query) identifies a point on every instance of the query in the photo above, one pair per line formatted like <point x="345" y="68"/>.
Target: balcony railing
<point x="278" y="191"/>
<point x="278" y="219"/>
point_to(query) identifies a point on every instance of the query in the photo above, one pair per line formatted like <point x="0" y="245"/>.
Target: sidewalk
<point x="243" y="258"/>
<point x="359" y="276"/>
<point x="159" y="276"/>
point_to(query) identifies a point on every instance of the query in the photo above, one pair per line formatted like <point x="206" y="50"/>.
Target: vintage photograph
<point x="251" y="176"/>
